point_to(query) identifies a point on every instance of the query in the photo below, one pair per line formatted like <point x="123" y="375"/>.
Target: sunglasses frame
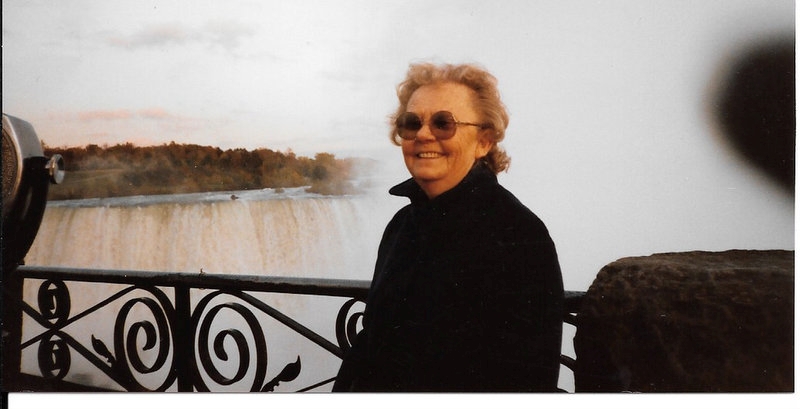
<point x="439" y="132"/>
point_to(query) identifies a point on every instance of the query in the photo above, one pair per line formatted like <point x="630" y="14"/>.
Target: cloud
<point x="106" y="115"/>
<point x="155" y="113"/>
<point x="144" y="126"/>
<point x="152" y="36"/>
<point x="125" y="114"/>
<point x="225" y="34"/>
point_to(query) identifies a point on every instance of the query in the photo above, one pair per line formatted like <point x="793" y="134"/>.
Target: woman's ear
<point x="485" y="143"/>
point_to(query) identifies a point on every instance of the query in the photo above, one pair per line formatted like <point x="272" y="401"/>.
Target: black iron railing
<point x="165" y="331"/>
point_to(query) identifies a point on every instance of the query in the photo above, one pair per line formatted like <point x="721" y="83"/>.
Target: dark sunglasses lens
<point x="408" y="124"/>
<point x="444" y="125"/>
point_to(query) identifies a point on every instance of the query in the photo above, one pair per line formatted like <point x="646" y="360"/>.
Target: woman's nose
<point x="424" y="134"/>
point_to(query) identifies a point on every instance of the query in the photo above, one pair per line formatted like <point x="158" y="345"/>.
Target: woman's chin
<point x="426" y="173"/>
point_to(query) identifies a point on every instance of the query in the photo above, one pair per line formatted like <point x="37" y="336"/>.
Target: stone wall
<point x="686" y="322"/>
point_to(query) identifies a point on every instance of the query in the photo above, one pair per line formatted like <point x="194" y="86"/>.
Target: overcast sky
<point x="611" y="140"/>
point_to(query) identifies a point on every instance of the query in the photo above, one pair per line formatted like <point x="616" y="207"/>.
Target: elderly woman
<point x="467" y="291"/>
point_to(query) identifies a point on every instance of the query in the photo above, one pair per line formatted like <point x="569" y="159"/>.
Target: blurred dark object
<point x="756" y="108"/>
<point x="27" y="174"/>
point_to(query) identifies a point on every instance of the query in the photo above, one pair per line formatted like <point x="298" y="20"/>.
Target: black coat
<point x="467" y="295"/>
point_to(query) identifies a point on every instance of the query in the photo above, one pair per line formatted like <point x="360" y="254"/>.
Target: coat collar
<point x="479" y="178"/>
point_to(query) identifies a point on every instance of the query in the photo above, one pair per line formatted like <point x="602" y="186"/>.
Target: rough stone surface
<point x="686" y="322"/>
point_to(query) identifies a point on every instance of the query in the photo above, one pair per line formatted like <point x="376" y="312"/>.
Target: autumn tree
<point x="127" y="169"/>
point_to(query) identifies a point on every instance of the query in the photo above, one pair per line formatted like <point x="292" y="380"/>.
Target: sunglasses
<point x="442" y="125"/>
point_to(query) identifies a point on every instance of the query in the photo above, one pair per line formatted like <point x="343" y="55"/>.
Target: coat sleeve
<point x="355" y="363"/>
<point x="525" y="326"/>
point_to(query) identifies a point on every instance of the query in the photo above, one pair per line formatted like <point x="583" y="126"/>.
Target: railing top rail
<point x="241" y="282"/>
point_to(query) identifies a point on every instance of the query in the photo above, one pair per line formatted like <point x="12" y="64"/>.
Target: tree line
<point x="128" y="170"/>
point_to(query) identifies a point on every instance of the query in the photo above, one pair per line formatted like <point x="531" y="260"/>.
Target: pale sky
<point x="611" y="140"/>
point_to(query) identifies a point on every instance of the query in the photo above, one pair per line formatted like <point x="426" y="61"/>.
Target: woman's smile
<point x="430" y="155"/>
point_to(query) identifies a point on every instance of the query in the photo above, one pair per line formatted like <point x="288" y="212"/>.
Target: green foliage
<point x="129" y="170"/>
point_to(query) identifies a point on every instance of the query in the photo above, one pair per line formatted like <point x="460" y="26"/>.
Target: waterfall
<point x="287" y="234"/>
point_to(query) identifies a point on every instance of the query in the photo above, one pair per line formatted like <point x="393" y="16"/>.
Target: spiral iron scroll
<point x="152" y="332"/>
<point x="125" y="359"/>
<point x="55" y="346"/>
<point x="347" y="324"/>
<point x="201" y="324"/>
<point x="53" y="353"/>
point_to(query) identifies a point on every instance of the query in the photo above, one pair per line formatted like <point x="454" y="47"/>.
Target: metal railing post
<point x="184" y="340"/>
<point x="11" y="286"/>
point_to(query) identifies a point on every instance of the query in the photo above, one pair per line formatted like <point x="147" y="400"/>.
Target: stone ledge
<point x="689" y="322"/>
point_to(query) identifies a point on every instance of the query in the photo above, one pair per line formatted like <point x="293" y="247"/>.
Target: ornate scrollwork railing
<point x="171" y="331"/>
<point x="175" y="331"/>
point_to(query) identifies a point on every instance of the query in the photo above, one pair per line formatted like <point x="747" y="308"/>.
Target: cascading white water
<point x="262" y="233"/>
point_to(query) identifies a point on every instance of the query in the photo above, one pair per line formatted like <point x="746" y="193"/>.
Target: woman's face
<point x="439" y="165"/>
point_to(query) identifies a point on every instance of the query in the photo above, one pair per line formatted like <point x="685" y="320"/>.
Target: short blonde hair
<point x="487" y="102"/>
